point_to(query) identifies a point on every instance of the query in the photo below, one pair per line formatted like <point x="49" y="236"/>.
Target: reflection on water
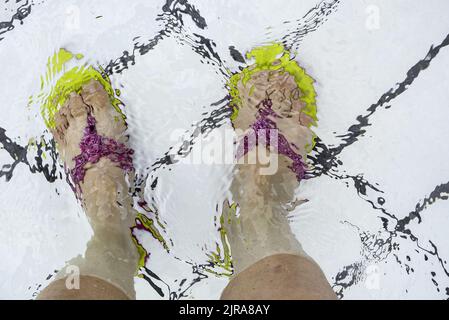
<point x="170" y="62"/>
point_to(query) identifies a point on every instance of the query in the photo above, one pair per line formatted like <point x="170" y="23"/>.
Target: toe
<point x="76" y="106"/>
<point x="305" y="120"/>
<point x="56" y="135"/>
<point x="92" y="86"/>
<point x="61" y="124"/>
<point x="61" y="118"/>
<point x="95" y="95"/>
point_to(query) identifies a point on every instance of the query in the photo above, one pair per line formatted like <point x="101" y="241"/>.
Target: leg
<point x="269" y="262"/>
<point x="280" y="277"/>
<point x="91" y="288"/>
<point x="97" y="160"/>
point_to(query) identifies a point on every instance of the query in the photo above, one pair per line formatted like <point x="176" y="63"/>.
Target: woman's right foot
<point x="268" y="100"/>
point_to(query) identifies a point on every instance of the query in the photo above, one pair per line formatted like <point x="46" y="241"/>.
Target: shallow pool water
<point x="376" y="218"/>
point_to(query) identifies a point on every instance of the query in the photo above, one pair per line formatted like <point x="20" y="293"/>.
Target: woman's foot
<point x="91" y="138"/>
<point x="270" y="118"/>
<point x="280" y="88"/>
<point x="274" y="94"/>
<point x="270" y="101"/>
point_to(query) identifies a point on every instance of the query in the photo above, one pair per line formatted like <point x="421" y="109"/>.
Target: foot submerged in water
<point x="274" y="94"/>
<point x="91" y="139"/>
<point x="269" y="96"/>
<point x="88" y="129"/>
